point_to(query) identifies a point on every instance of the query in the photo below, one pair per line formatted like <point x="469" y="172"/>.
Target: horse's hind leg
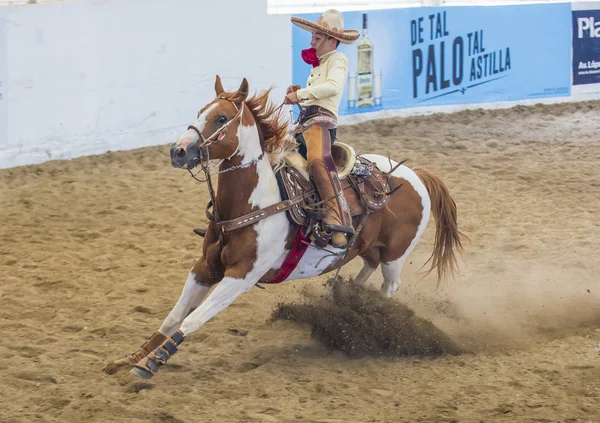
<point x="192" y="295"/>
<point x="391" y="276"/>
<point x="370" y="264"/>
<point x="394" y="254"/>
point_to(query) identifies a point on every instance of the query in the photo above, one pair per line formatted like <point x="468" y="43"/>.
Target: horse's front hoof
<point x="141" y="373"/>
<point x="129" y="360"/>
<point x="113" y="368"/>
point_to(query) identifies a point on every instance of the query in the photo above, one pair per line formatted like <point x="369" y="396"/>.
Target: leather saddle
<point x="365" y="187"/>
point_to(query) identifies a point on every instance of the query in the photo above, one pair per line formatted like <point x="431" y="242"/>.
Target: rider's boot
<point x="321" y="167"/>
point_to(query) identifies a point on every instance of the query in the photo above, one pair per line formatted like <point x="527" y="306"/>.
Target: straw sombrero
<point x="331" y="23"/>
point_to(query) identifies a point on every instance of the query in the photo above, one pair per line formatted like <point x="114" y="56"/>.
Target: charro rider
<point x="319" y="102"/>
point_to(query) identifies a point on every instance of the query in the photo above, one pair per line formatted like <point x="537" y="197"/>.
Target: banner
<point x="3" y="83"/>
<point x="439" y="56"/>
<point x="586" y="44"/>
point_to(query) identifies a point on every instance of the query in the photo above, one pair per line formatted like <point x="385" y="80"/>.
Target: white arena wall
<point x="84" y="77"/>
<point x="89" y="76"/>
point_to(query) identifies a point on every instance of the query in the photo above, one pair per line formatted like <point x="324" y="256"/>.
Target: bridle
<point x="219" y="133"/>
<point x="217" y="136"/>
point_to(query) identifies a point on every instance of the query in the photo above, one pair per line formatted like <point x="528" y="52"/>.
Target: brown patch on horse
<point x="209" y="269"/>
<point x="236" y="258"/>
<point x="401" y="219"/>
<point x="448" y="239"/>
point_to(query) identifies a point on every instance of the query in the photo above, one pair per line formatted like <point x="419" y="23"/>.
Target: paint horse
<point x="252" y="232"/>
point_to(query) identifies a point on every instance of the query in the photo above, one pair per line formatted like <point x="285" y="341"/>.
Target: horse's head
<point x="214" y="135"/>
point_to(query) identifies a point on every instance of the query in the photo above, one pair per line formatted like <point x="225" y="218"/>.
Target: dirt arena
<point x="94" y="253"/>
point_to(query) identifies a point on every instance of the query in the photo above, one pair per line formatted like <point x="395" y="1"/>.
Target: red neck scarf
<point x="310" y="57"/>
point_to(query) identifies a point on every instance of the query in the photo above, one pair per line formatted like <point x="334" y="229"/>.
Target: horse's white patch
<point x="272" y="231"/>
<point x="391" y="275"/>
<point x="249" y="145"/>
<point x="391" y="271"/>
<point x="190" y="135"/>
<point x="315" y="261"/>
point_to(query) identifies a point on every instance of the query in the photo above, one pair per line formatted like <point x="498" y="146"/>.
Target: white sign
<point x="3" y="83"/>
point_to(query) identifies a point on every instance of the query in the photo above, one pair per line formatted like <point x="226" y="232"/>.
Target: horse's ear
<point x="243" y="90"/>
<point x="219" y="86"/>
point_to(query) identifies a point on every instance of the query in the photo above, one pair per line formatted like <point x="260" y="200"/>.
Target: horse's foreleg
<point x="222" y="296"/>
<point x="191" y="296"/>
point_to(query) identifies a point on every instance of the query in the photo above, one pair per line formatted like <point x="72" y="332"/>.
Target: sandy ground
<point x="94" y="253"/>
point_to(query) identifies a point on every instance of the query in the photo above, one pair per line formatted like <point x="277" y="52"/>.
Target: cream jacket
<point x="325" y="84"/>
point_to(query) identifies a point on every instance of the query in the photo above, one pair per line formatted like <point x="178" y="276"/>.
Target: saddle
<point x="365" y="187"/>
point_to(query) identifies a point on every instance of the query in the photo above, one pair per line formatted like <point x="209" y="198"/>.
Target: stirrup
<point x="322" y="235"/>
<point x="339" y="228"/>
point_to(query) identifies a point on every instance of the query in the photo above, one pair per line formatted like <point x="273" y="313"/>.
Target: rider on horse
<point x="319" y="102"/>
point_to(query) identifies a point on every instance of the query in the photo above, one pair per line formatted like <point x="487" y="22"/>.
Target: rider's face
<point x="321" y="43"/>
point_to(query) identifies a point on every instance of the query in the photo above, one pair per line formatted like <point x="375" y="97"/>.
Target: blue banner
<point x="450" y="55"/>
<point x="586" y="47"/>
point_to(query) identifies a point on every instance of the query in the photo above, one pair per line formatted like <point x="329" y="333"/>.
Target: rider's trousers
<point x="324" y="173"/>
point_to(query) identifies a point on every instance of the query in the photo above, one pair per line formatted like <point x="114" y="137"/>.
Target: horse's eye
<point x="222" y="119"/>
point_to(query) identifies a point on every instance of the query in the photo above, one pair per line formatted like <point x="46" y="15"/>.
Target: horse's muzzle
<point x="186" y="158"/>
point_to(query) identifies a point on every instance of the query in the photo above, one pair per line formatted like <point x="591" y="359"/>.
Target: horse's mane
<point x="276" y="136"/>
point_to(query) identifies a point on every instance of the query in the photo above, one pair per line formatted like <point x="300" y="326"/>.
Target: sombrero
<point x="331" y="23"/>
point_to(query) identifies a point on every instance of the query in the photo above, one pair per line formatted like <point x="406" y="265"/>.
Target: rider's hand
<point x="292" y="88"/>
<point x="291" y="98"/>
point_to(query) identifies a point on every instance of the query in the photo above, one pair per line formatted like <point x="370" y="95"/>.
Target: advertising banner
<point x="439" y="56"/>
<point x="586" y="43"/>
<point x="3" y="83"/>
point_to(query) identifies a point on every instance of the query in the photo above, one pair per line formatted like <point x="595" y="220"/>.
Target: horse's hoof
<point x="126" y="361"/>
<point x="141" y="373"/>
<point x="112" y="368"/>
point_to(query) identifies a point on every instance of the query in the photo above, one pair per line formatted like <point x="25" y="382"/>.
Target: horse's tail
<point x="448" y="239"/>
